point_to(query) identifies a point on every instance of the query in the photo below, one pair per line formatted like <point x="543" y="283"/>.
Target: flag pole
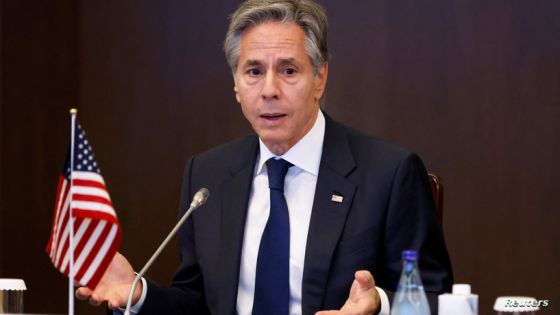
<point x="73" y="113"/>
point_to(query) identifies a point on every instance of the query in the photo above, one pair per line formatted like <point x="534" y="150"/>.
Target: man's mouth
<point x="272" y="116"/>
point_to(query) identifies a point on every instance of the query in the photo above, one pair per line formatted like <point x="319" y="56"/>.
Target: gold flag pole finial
<point x="73" y="111"/>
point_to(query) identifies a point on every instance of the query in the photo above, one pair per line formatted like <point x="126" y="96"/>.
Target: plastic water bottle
<point x="410" y="298"/>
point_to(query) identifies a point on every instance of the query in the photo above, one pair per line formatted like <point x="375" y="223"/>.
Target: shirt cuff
<point x="135" y="309"/>
<point x="385" y="306"/>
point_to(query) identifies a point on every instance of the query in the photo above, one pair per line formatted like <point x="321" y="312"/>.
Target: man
<point x="304" y="215"/>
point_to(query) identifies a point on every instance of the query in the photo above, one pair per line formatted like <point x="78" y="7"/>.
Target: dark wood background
<point x="472" y="86"/>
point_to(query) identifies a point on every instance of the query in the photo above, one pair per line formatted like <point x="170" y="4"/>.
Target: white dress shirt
<point x="299" y="190"/>
<point x="300" y="183"/>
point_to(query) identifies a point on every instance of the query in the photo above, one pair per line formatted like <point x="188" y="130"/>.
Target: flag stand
<point x="73" y="113"/>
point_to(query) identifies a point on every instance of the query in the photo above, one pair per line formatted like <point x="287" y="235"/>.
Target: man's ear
<point x="236" y="90"/>
<point x="321" y="80"/>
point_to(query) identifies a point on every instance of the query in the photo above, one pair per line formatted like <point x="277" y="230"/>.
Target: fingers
<point x="95" y="300"/>
<point x="83" y="293"/>
<point x="328" y="313"/>
<point x="113" y="304"/>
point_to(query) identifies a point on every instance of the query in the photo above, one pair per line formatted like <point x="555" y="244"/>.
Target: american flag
<point x="96" y="233"/>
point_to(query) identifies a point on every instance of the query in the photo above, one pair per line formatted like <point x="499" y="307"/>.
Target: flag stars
<point x="84" y="159"/>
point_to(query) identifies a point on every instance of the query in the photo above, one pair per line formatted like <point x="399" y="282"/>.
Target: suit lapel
<point x="235" y="191"/>
<point x="328" y="217"/>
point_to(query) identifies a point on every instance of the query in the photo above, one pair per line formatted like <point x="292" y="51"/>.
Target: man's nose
<point x="270" y="89"/>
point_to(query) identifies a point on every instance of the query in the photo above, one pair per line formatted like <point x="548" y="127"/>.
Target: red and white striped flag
<point x="96" y="230"/>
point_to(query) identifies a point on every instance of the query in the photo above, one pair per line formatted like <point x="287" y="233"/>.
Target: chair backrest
<point x="437" y="192"/>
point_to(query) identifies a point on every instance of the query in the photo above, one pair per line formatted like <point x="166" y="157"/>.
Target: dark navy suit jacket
<point x="387" y="207"/>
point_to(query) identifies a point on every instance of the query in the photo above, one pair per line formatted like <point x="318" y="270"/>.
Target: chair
<point x="437" y="192"/>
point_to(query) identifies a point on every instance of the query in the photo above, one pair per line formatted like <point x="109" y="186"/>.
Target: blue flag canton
<point x="84" y="159"/>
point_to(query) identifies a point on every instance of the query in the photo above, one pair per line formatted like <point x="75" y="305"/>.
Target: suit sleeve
<point x="186" y="294"/>
<point x="412" y="223"/>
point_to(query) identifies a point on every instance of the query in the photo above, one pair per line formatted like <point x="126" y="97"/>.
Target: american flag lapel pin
<point x="336" y="198"/>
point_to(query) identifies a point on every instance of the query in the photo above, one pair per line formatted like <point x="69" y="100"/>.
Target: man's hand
<point x="363" y="298"/>
<point x="114" y="286"/>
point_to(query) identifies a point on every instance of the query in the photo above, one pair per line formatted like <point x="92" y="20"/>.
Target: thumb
<point x="364" y="279"/>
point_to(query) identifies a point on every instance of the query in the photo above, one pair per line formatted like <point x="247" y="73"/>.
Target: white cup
<point x="11" y="295"/>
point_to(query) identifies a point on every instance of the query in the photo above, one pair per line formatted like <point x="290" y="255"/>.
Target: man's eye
<point x="253" y="72"/>
<point x="290" y="71"/>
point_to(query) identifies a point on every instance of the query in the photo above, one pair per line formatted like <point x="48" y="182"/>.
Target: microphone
<point x="198" y="199"/>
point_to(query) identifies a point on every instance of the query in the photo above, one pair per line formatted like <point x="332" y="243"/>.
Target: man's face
<point x="275" y="84"/>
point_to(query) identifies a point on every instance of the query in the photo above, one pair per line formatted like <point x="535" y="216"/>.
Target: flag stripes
<point x="96" y="230"/>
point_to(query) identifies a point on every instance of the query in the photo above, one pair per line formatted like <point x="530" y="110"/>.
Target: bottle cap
<point x="461" y="288"/>
<point x="410" y="255"/>
<point x="12" y="284"/>
<point x="512" y="304"/>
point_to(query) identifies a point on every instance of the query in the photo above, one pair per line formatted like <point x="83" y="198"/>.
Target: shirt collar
<point x="305" y="154"/>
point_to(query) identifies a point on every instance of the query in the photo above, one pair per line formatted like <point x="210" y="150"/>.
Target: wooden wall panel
<point x="1" y="129"/>
<point x="39" y="84"/>
<point x="473" y="87"/>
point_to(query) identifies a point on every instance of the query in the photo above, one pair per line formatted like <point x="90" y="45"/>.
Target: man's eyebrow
<point x="252" y="62"/>
<point x="284" y="61"/>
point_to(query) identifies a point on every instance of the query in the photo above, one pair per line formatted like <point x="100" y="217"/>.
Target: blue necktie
<point x="272" y="279"/>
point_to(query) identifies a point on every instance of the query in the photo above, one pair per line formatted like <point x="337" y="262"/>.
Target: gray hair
<point x="309" y="15"/>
